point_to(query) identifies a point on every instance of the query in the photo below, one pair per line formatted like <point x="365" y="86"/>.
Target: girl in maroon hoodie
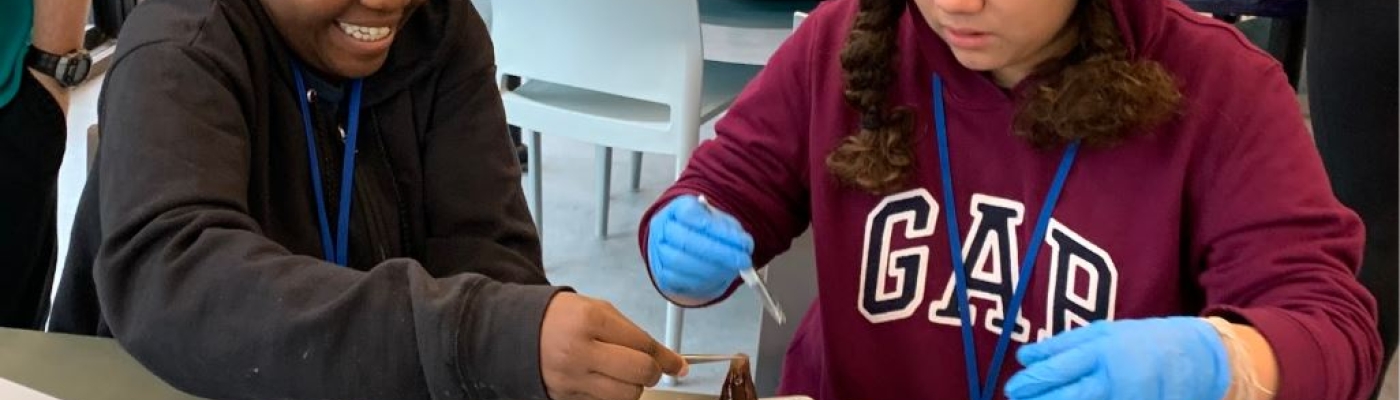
<point x="1120" y="194"/>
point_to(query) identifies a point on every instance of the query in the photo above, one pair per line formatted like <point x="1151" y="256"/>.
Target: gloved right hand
<point x="695" y="252"/>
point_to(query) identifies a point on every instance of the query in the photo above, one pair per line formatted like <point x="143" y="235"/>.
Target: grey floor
<point x="608" y="268"/>
<point x="611" y="268"/>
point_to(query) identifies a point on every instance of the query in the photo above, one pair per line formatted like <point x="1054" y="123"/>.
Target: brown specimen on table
<point x="738" y="384"/>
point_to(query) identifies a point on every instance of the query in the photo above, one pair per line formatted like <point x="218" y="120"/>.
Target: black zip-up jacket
<point x="197" y="244"/>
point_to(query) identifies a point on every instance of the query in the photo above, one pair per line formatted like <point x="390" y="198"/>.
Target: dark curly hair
<point x="1096" y="93"/>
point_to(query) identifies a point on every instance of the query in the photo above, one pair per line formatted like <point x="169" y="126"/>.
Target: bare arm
<point x="58" y="29"/>
<point x="58" y="24"/>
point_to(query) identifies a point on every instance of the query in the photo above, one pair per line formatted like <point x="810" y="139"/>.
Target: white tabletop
<point x="14" y="391"/>
<point x="747" y="31"/>
<point x="51" y="366"/>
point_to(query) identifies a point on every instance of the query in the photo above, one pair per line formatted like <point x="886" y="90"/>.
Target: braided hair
<point x="1096" y="93"/>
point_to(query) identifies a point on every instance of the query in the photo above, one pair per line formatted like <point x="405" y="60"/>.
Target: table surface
<point x="747" y="31"/>
<point x="753" y="14"/>
<point x="72" y="367"/>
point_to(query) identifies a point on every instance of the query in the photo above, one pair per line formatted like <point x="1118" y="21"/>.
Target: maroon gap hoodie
<point x="1225" y="210"/>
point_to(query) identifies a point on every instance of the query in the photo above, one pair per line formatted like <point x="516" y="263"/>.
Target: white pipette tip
<point x="751" y="279"/>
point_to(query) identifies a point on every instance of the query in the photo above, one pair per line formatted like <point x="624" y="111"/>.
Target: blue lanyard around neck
<point x="975" y="389"/>
<point x="337" y="251"/>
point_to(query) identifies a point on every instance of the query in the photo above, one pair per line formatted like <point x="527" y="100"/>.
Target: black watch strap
<point x="69" y="70"/>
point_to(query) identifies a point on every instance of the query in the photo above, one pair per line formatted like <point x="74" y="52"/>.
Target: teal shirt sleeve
<point x="16" y="20"/>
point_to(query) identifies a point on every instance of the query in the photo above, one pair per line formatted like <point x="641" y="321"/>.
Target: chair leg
<point x="1287" y="38"/>
<point x="675" y="323"/>
<point x="604" y="160"/>
<point x="92" y="145"/>
<point x="636" y="170"/>
<point x="536" y="182"/>
<point x="675" y="315"/>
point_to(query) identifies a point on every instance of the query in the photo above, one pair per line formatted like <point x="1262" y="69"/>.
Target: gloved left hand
<point x="1176" y="358"/>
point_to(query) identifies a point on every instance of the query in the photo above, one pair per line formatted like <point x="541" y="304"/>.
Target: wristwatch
<point x="69" y="69"/>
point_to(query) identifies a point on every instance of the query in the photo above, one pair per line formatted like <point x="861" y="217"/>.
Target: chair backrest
<point x="643" y="49"/>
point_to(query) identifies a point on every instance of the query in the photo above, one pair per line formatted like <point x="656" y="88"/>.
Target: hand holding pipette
<point x="696" y="251"/>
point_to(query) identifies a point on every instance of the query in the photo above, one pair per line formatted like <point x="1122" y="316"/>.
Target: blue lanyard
<point x="337" y="252"/>
<point x="959" y="271"/>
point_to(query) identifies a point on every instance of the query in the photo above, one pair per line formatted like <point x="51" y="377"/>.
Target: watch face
<point x="73" y="69"/>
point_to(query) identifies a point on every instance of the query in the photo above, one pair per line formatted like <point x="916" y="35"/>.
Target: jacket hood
<point x="421" y="47"/>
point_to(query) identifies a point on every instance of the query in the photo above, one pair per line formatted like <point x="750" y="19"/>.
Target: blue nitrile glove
<point x="696" y="252"/>
<point x="1176" y="358"/>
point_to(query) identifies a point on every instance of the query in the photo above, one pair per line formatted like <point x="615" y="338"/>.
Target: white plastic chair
<point x="616" y="73"/>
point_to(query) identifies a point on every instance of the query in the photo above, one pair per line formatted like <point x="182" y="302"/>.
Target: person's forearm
<point x="1261" y="356"/>
<point x="1251" y="355"/>
<point x="58" y="24"/>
